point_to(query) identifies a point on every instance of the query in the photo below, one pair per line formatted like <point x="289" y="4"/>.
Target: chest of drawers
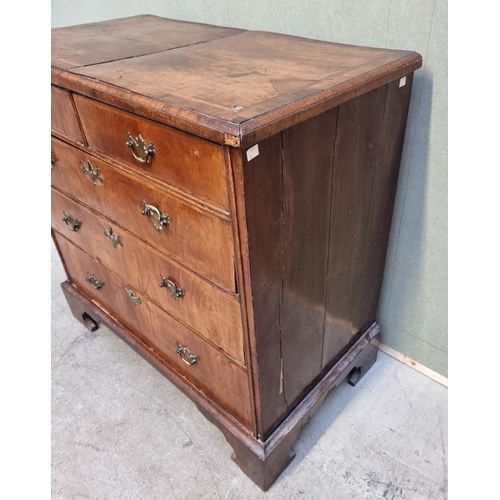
<point x="222" y="200"/>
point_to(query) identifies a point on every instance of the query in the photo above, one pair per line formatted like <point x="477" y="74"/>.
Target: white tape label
<point x="402" y="81"/>
<point x="252" y="152"/>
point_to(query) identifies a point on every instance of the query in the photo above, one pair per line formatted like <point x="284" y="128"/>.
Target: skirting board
<point x="413" y="364"/>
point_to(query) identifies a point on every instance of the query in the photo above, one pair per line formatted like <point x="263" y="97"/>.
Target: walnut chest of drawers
<point x="222" y="200"/>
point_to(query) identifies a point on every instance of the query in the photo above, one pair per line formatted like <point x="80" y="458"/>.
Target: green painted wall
<point x="413" y="311"/>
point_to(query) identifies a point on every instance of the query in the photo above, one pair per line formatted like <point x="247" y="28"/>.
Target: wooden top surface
<point x="228" y="85"/>
<point x="105" y="41"/>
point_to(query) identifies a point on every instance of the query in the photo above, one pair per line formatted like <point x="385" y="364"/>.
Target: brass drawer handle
<point x="186" y="356"/>
<point x="94" y="281"/>
<point x="52" y="162"/>
<point x="159" y="220"/>
<point x="133" y="297"/>
<point x="140" y="149"/>
<point x="175" y="291"/>
<point x="115" y="239"/>
<point x="94" y="175"/>
<point x="71" y="222"/>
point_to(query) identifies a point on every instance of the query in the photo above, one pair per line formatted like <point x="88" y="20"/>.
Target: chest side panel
<point x="318" y="204"/>
<point x="366" y="167"/>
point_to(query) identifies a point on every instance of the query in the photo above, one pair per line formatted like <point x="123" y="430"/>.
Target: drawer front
<point x="213" y="313"/>
<point x="196" y="238"/>
<point x="186" y="162"/>
<point x="214" y="374"/>
<point x="63" y="116"/>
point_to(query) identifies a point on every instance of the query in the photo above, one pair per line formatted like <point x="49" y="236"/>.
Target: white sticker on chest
<point x="252" y="152"/>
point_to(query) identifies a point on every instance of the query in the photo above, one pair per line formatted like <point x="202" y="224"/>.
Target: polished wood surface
<point x="219" y="378"/>
<point x="383" y="196"/>
<point x="195" y="237"/>
<point x="260" y="221"/>
<point x="207" y="309"/>
<point x="247" y="86"/>
<point x="366" y="164"/>
<point x="315" y="268"/>
<point x="305" y="238"/>
<point x="104" y="41"/>
<point x="181" y="160"/>
<point x="272" y="70"/>
<point x="64" y="120"/>
<point x="263" y="462"/>
<point x="355" y="164"/>
<point x="281" y="254"/>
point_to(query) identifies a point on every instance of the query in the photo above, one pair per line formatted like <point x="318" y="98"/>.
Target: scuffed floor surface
<point x="121" y="431"/>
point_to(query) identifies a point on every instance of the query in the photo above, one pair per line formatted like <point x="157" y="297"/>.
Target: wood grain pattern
<point x="104" y="41"/>
<point x="181" y="160"/>
<point x="219" y="378"/>
<point x="316" y="266"/>
<point x="245" y="279"/>
<point x="207" y="309"/>
<point x="355" y="162"/>
<point x="263" y="462"/>
<point x="244" y="76"/>
<point x="80" y="304"/>
<point x="241" y="88"/>
<point x="64" y="121"/>
<point x="258" y="189"/>
<point x="383" y="197"/>
<point x="307" y="182"/>
<point x="204" y="126"/>
<point x="241" y="280"/>
<point x="200" y="240"/>
<point x="281" y="256"/>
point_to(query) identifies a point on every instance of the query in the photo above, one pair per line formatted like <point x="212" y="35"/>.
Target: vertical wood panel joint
<point x="282" y="389"/>
<point x="332" y="163"/>
<point x="375" y="169"/>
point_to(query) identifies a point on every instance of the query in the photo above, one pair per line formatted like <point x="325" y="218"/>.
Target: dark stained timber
<point x="222" y="200"/>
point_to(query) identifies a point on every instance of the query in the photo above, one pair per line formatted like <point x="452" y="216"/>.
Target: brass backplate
<point x="141" y="151"/>
<point x="94" y="175"/>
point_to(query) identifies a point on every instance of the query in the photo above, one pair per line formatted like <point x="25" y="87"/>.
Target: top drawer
<point x="186" y="162"/>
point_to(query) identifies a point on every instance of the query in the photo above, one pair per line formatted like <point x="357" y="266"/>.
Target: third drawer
<point x="213" y="313"/>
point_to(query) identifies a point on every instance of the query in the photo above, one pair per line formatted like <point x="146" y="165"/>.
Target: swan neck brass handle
<point x="158" y="219"/>
<point x="94" y="175"/>
<point x="72" y="223"/>
<point x="94" y="281"/>
<point x="133" y="297"/>
<point x="171" y="286"/>
<point x="141" y="151"/>
<point x="186" y="355"/>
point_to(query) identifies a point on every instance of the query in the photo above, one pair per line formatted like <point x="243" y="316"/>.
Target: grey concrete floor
<point x="121" y="431"/>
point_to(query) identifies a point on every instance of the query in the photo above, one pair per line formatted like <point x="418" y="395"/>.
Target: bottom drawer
<point x="213" y="373"/>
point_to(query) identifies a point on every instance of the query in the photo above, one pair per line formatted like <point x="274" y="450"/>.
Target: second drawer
<point x="213" y="313"/>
